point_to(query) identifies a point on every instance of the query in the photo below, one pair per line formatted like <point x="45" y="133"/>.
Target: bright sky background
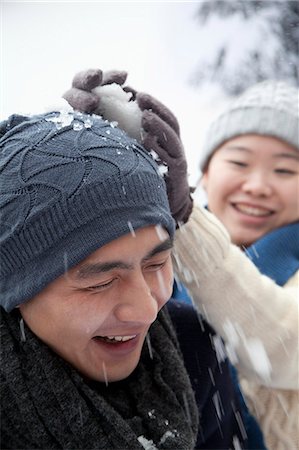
<point x="43" y="44"/>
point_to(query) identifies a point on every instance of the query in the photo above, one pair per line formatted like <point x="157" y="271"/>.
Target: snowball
<point x="115" y="105"/>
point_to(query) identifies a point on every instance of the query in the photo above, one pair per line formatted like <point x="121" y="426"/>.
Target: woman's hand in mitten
<point x="81" y="96"/>
<point x="162" y="135"/>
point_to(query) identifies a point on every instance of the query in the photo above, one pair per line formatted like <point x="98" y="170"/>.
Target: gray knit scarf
<point x="46" y="404"/>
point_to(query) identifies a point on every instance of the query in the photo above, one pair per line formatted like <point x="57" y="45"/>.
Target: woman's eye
<point x="285" y="171"/>
<point x="238" y="163"/>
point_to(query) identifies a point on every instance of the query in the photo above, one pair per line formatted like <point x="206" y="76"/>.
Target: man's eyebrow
<point x="91" y="270"/>
<point x="163" y="247"/>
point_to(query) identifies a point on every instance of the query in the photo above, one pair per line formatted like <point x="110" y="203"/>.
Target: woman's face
<point x="252" y="185"/>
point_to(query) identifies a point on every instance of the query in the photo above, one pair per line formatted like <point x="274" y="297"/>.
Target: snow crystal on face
<point x="146" y="443"/>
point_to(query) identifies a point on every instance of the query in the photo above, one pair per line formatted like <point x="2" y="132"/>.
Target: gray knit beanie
<point x="268" y="108"/>
<point x="70" y="183"/>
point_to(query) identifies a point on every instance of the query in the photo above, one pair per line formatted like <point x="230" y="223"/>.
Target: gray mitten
<point x="162" y="136"/>
<point x="102" y="93"/>
<point x="81" y="96"/>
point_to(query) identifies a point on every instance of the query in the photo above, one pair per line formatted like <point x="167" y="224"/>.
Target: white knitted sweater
<point x="257" y="319"/>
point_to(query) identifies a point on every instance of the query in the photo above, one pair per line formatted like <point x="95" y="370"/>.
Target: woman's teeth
<point x="253" y="211"/>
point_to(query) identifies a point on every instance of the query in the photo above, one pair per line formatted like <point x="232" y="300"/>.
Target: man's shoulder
<point x="198" y="341"/>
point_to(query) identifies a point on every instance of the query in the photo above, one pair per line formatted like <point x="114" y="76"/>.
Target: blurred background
<point x="192" y="56"/>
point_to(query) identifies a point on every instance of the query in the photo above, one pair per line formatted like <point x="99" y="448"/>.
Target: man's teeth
<point x="117" y="338"/>
<point x="252" y="211"/>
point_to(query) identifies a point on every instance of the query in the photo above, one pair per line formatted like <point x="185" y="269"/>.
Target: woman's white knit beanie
<point x="268" y="108"/>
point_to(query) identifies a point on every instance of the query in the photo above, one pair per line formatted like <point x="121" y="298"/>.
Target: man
<point x="90" y="357"/>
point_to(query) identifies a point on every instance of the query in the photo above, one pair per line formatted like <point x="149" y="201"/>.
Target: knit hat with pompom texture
<point x="269" y="108"/>
<point x="70" y="183"/>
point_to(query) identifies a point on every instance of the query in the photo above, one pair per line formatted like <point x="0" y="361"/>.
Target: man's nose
<point x="258" y="184"/>
<point x="137" y="304"/>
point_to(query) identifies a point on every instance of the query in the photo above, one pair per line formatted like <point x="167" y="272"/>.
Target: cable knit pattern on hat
<point x="268" y="108"/>
<point x="70" y="183"/>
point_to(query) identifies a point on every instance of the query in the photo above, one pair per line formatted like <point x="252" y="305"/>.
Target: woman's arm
<point x="257" y="319"/>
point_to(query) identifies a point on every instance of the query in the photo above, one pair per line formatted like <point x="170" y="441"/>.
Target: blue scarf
<point x="276" y="254"/>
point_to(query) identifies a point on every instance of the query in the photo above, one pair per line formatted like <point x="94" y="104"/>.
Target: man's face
<point x="96" y="316"/>
<point x="252" y="186"/>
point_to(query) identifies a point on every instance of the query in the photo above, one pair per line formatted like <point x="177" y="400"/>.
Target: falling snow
<point x="148" y="341"/>
<point x="160" y="232"/>
<point x="22" y="330"/>
<point x="151" y="414"/>
<point x="259" y="358"/>
<point x="186" y="405"/>
<point x="105" y="373"/>
<point x="254" y="347"/>
<point x="219" y="348"/>
<point x="218" y="405"/>
<point x="168" y="434"/>
<point x="146" y="443"/>
<point x="236" y="443"/>
<point x="163" y="288"/>
<point x="132" y="231"/>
